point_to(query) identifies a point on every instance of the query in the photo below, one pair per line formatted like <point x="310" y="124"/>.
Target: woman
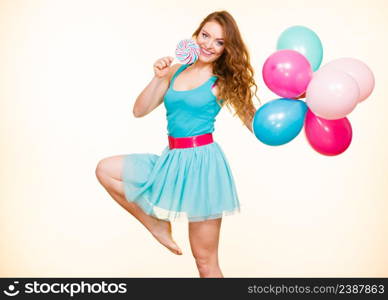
<point x="191" y="177"/>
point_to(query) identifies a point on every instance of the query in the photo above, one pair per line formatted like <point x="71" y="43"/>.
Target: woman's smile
<point x="205" y="52"/>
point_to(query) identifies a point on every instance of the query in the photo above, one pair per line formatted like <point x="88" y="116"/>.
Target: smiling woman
<point x="191" y="178"/>
<point x="208" y="41"/>
<point x="221" y="43"/>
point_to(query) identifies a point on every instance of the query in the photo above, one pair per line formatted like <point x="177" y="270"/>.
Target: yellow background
<point x="70" y="72"/>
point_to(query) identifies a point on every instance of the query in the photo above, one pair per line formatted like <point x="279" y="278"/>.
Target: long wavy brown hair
<point x="233" y="69"/>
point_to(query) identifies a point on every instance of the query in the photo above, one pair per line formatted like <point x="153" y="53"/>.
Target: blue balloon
<point x="304" y="41"/>
<point x="279" y="121"/>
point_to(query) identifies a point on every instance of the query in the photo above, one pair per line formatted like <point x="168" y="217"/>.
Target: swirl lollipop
<point x="187" y="51"/>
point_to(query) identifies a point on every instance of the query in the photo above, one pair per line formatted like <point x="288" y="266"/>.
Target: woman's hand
<point x="162" y="66"/>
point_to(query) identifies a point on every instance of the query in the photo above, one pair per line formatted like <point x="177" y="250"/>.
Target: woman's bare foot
<point x="163" y="233"/>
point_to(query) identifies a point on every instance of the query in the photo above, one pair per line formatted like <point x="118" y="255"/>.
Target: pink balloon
<point x="328" y="137"/>
<point x="358" y="70"/>
<point x="332" y="94"/>
<point x="287" y="73"/>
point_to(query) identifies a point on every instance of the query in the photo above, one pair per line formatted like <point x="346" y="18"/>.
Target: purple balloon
<point x="287" y="73"/>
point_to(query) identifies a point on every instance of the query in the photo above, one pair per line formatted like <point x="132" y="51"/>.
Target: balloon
<point x="279" y="121"/>
<point x="332" y="94"/>
<point x="303" y="40"/>
<point x="287" y="73"/>
<point x="328" y="137"/>
<point x="358" y="70"/>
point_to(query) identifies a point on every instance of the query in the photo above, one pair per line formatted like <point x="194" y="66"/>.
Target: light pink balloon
<point x="332" y="94"/>
<point x="358" y="70"/>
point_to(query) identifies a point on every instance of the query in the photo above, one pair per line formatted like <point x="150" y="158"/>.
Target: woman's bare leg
<point x="204" y="238"/>
<point x="108" y="172"/>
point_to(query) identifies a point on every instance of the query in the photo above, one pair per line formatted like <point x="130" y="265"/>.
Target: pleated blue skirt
<point x="195" y="184"/>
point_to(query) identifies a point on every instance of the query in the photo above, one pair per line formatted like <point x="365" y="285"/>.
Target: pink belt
<point x="190" y="141"/>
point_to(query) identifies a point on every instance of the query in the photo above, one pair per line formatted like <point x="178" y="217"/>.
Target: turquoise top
<point x="191" y="112"/>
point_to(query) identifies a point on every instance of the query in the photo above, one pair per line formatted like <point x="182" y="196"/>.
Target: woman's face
<point x="211" y="42"/>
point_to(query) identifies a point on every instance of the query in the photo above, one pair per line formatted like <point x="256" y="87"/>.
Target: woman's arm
<point x="249" y="126"/>
<point x="153" y="94"/>
<point x="151" y="97"/>
<point x="215" y="92"/>
<point x="249" y="121"/>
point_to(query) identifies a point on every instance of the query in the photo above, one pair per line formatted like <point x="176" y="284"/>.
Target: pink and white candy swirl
<point x="187" y="51"/>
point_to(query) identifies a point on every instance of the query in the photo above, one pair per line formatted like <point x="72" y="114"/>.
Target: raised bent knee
<point x="100" y="169"/>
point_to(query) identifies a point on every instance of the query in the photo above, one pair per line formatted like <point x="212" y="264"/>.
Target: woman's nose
<point x="208" y="44"/>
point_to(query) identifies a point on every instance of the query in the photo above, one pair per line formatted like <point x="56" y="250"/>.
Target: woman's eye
<point x="220" y="43"/>
<point x="204" y="34"/>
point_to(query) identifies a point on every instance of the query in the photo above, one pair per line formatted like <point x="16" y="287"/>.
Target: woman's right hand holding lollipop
<point x="186" y="52"/>
<point x="162" y="66"/>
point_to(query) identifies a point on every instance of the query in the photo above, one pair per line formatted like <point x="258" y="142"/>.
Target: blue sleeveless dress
<point x="195" y="183"/>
